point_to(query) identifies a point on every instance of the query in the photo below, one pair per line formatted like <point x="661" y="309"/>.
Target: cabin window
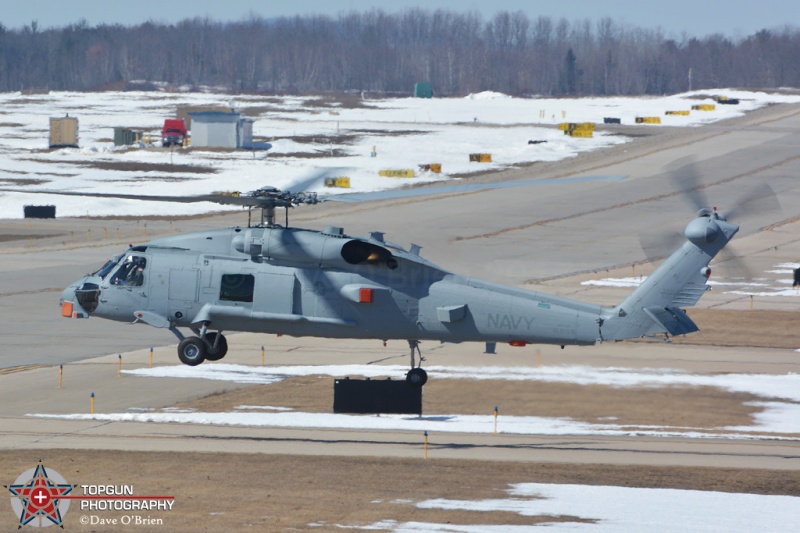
<point x="237" y="287"/>
<point x="131" y="273"/>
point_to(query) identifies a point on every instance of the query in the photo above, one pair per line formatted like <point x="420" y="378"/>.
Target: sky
<point x="730" y="18"/>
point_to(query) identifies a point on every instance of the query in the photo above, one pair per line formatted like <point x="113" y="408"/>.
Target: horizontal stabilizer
<point x="672" y="319"/>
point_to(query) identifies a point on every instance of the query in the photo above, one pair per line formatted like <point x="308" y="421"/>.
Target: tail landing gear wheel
<point x="416" y="377"/>
<point x="222" y="346"/>
<point x="192" y="351"/>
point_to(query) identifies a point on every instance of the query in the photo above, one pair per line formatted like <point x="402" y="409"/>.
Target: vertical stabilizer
<point x="655" y="306"/>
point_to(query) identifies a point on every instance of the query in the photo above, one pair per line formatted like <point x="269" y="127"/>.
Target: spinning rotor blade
<point x="685" y="178"/>
<point x="759" y="199"/>
<point x="308" y="182"/>
<point x="272" y="197"/>
<point x="734" y="264"/>
<point x="264" y="197"/>
<point x="657" y="245"/>
<point x="218" y="198"/>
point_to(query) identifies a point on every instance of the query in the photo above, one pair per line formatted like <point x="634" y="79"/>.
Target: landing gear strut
<point x="416" y="377"/>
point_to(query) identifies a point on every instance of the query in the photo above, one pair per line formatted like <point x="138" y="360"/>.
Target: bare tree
<point x="458" y="52"/>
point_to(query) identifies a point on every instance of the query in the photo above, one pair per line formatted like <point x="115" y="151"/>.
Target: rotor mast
<point x="268" y="198"/>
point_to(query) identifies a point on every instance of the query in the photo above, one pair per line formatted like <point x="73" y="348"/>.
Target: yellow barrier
<point x="398" y="173"/>
<point x="682" y="113"/>
<point x="436" y="168"/>
<point x="567" y="126"/>
<point x="648" y="120"/>
<point x="480" y="158"/>
<point x="704" y="107"/>
<point x="341" y="182"/>
<point x="578" y="129"/>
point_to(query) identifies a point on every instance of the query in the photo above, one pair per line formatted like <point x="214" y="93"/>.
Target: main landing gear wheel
<point x="213" y="354"/>
<point x="192" y="351"/>
<point x="416" y="377"/>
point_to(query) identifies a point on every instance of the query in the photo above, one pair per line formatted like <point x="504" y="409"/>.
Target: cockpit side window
<point x="131" y="272"/>
<point x="103" y="271"/>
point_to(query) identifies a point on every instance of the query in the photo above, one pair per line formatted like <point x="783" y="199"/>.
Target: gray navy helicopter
<point x="271" y="278"/>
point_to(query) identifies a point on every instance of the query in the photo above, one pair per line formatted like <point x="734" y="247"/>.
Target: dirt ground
<point x="764" y="329"/>
<point x="278" y="493"/>
<point x="678" y="407"/>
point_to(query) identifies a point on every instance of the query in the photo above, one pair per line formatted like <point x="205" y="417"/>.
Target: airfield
<point x="258" y="449"/>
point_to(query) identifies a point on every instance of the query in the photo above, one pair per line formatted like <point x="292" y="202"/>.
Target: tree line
<point x="375" y="51"/>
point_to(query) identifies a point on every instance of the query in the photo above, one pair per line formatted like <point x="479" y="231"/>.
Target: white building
<point x="219" y="129"/>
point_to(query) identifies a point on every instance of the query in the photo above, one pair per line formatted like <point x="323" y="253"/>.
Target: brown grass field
<point x="229" y="492"/>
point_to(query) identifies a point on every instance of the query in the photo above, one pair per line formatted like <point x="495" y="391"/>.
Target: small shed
<point x="126" y="136"/>
<point x="220" y="129"/>
<point x="63" y="132"/>
<point x="423" y="89"/>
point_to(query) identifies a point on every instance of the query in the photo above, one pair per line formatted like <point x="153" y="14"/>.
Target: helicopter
<point x="272" y="278"/>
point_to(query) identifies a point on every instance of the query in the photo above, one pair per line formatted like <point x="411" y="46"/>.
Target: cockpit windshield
<point x="108" y="267"/>
<point x="130" y="272"/>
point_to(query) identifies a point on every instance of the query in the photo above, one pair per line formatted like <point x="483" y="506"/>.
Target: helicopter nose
<point x="68" y="303"/>
<point x="80" y="299"/>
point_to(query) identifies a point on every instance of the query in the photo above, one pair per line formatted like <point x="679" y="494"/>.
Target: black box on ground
<point x="376" y="396"/>
<point x="39" y="211"/>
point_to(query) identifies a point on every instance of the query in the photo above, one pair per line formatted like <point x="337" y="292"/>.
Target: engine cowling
<point x="311" y="247"/>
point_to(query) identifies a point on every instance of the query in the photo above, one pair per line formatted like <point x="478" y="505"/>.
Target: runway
<point x="545" y="236"/>
<point x="518" y="235"/>
<point x="37" y="391"/>
<point x="640" y="451"/>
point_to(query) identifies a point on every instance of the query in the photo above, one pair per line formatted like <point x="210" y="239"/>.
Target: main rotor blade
<point x="214" y="198"/>
<point x="308" y="182"/>
<point x="256" y="201"/>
